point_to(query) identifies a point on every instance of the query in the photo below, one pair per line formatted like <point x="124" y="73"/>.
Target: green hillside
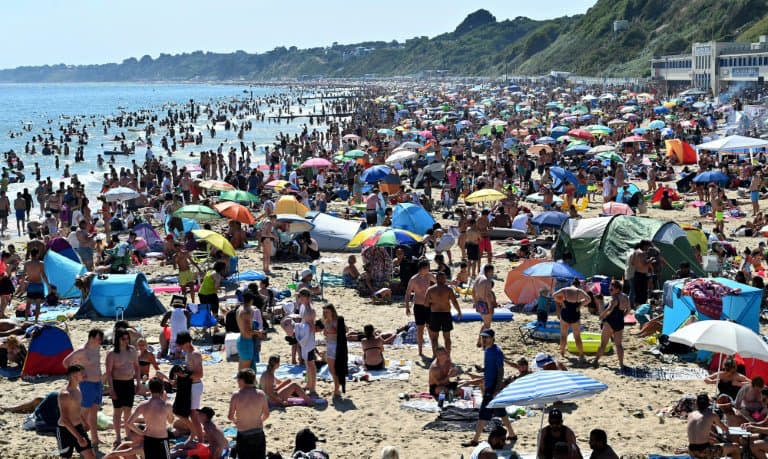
<point x="583" y="44"/>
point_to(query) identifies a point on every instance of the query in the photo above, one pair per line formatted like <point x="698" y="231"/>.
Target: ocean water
<point x="48" y="106"/>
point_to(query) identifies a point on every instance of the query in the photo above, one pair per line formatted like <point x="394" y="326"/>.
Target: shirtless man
<point x="718" y="208"/>
<point x="158" y="415"/>
<point x="754" y="191"/>
<point x="484" y="227"/>
<point x="35" y="277"/>
<point x="187" y="280"/>
<point x="279" y="391"/>
<point x="20" y="208"/>
<point x="89" y="357"/>
<point x="700" y="424"/>
<point x="70" y="432"/>
<point x="417" y="287"/>
<point x="86" y="243"/>
<point x="123" y="376"/>
<point x="246" y="344"/>
<point x="472" y="247"/>
<point x="463" y="225"/>
<point x="569" y="301"/>
<point x="248" y="409"/>
<point x="439" y="299"/>
<point x="194" y="364"/>
<point x="483" y="297"/>
<point x="440" y="373"/>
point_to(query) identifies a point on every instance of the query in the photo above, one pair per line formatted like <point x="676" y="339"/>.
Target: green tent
<point x="601" y="245"/>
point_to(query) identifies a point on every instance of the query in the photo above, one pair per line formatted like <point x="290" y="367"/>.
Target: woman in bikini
<point x="569" y="301"/>
<point x="267" y="238"/>
<point x="373" y="350"/>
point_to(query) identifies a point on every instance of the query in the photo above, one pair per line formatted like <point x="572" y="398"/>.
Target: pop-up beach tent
<point x="150" y="236"/>
<point x="62" y="272"/>
<point x="332" y="233"/>
<point x="63" y="247"/>
<point x="742" y="306"/>
<point x="601" y="245"/>
<point x="682" y="151"/>
<point x="48" y="345"/>
<point x="128" y="294"/>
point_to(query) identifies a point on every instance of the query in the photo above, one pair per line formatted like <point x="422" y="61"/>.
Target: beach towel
<point x="357" y="372"/>
<point x="332" y="280"/>
<point x="210" y="357"/>
<point x="708" y="296"/>
<point x="170" y="288"/>
<point x="666" y="373"/>
<point x="53" y="313"/>
<point x="284" y="371"/>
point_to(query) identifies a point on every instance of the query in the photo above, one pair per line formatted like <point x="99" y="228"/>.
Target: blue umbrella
<point x="667" y="132"/>
<point x="375" y="173"/>
<point x="546" y="387"/>
<point x="712" y="177"/>
<point x="639" y="131"/>
<point x="413" y="218"/>
<point x="551" y="219"/>
<point x="660" y="110"/>
<point x="559" y="131"/>
<point x="560" y="175"/>
<point x="546" y="139"/>
<point x="577" y="149"/>
<point x="510" y="142"/>
<point x="554" y="269"/>
<point x="656" y="124"/>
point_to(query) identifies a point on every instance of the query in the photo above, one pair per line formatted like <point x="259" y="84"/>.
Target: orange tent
<point x="660" y="192"/>
<point x="682" y="151"/>
<point x="522" y="289"/>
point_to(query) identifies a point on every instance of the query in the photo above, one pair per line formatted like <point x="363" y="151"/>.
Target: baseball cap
<point x="208" y="411"/>
<point x="542" y="359"/>
<point x="489" y="333"/>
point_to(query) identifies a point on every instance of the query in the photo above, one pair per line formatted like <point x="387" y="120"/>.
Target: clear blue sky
<point x="40" y="32"/>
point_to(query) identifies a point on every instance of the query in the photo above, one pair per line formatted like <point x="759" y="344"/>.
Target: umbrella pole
<point x="719" y="365"/>
<point x="541" y="427"/>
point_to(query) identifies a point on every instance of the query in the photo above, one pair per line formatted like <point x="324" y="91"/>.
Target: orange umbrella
<point x="235" y="211"/>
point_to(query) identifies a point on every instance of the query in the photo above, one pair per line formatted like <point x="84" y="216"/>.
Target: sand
<point x="369" y="417"/>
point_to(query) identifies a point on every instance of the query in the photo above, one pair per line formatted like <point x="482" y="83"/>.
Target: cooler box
<point x="230" y="345"/>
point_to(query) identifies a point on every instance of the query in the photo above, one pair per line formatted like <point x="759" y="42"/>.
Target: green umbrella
<point x="487" y="129"/>
<point x="609" y="156"/>
<point x="354" y="154"/>
<point x="196" y="212"/>
<point x="238" y="196"/>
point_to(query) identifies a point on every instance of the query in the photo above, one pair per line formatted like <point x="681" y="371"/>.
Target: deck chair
<point x="203" y="318"/>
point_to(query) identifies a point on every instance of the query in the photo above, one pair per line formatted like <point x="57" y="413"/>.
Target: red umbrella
<point x="581" y="133"/>
<point x="316" y="163"/>
<point x="235" y="212"/>
<point x="633" y="139"/>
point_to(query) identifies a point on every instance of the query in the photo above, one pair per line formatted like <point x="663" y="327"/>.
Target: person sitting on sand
<point x="373" y="350"/>
<point x="9" y="327"/>
<point x="350" y="274"/>
<point x="462" y="277"/>
<point x="440" y="373"/>
<point x="729" y="381"/>
<point x="496" y="441"/>
<point x="305" y="282"/>
<point x="215" y="445"/>
<point x="700" y="425"/>
<point x="548" y="362"/>
<point x="278" y="391"/>
<point x="749" y="400"/>
<point x="556" y="432"/>
<point x="598" y="441"/>
<point x="386" y="337"/>
<point x="12" y="351"/>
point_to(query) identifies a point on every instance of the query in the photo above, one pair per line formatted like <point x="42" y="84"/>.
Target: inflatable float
<point x="470" y="315"/>
<point x="590" y="342"/>
<point x="547" y="332"/>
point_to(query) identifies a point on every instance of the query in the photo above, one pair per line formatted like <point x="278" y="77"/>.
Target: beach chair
<point x="202" y="319"/>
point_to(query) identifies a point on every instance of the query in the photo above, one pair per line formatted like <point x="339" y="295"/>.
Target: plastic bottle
<point x="441" y="399"/>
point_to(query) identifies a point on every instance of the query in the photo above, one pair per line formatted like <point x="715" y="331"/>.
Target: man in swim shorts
<point x="417" y="287"/>
<point x="483" y="297"/>
<point x="70" y="432"/>
<point x="89" y="357"/>
<point x="248" y="409"/>
<point x="36" y="279"/>
<point x="439" y="299"/>
<point x="158" y="416"/>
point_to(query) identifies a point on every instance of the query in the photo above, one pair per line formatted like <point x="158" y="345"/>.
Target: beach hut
<point x="601" y="245"/>
<point x="681" y="301"/>
<point x="62" y="272"/>
<point x="332" y="233"/>
<point x="682" y="151"/>
<point x="48" y="345"/>
<point x="126" y="295"/>
<point x="412" y="218"/>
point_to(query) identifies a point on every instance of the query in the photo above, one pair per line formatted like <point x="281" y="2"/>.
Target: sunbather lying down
<point x="22" y="408"/>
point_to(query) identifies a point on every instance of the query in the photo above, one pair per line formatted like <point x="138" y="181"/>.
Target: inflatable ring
<point x="590" y="342"/>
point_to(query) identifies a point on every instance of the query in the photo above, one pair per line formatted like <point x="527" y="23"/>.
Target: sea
<point x="48" y="106"/>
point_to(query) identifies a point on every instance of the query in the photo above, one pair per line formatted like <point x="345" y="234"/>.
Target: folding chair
<point x="203" y="318"/>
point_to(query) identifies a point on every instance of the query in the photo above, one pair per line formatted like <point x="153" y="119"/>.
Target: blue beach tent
<point x="126" y="293"/>
<point x="61" y="273"/>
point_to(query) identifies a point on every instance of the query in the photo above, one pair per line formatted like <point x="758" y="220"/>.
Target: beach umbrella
<point x="558" y="131"/>
<point x="617" y="208"/>
<point x="633" y="139"/>
<point x="656" y="124"/>
<point x="410" y="145"/>
<point x="400" y="155"/>
<point x="354" y="154"/>
<point x="375" y="173"/>
<point x="609" y="156"/>
<point x="315" y="163"/>
<point x="550" y="219"/>
<point x="215" y="240"/>
<point x="554" y="269"/>
<point x="561" y="175"/>
<point x="712" y="177"/>
<point x="196" y="212"/>
<point x="216" y="185"/>
<point x="362" y="235"/>
<point x="391" y="237"/>
<point x="601" y="149"/>
<point x="294" y="223"/>
<point x="628" y="109"/>
<point x="387" y="132"/>
<point x="238" y="196"/>
<point x="639" y="130"/>
<point x="538" y="149"/>
<point x="485" y="195"/>
<point x="723" y="337"/>
<point x="236" y="212"/>
<point x="546" y="140"/>
<point x="278" y="184"/>
<point x="290" y="205"/>
<point x="660" y="110"/>
<point x="581" y="134"/>
<point x="121" y="193"/>
<point x="616" y="122"/>
<point x="631" y="117"/>
<point x="412" y="218"/>
<point x="349" y="137"/>
<point x="578" y="148"/>
<point x="547" y="387"/>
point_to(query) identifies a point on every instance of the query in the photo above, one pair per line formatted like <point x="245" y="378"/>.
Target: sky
<point x="38" y="32"/>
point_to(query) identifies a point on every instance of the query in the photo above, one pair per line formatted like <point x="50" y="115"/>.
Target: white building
<point x="713" y="66"/>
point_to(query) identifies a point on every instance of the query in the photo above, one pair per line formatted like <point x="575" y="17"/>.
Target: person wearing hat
<point x="305" y="282"/>
<point x="555" y="433"/>
<point x="545" y="361"/>
<point x="493" y="377"/>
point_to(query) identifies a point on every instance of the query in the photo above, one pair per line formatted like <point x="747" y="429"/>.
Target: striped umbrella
<point x="546" y="387"/>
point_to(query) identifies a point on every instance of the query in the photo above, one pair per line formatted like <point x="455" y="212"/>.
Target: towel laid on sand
<point x="395" y="371"/>
<point x="666" y="373"/>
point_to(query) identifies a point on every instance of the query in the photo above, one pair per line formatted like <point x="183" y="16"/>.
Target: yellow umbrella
<point x="365" y="234"/>
<point x="216" y="240"/>
<point x="485" y="195"/>
<point x="290" y="205"/>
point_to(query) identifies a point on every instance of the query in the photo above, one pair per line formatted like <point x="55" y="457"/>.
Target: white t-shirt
<point x="478" y="449"/>
<point x="178" y="322"/>
<point x="306" y="338"/>
<point x="72" y="239"/>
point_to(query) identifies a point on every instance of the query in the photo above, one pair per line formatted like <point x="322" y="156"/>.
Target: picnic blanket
<point x="210" y="357"/>
<point x="356" y="372"/>
<point x="666" y="373"/>
<point x="331" y="280"/>
<point x="52" y="313"/>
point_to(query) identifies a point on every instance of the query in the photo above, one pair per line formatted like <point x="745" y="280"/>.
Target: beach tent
<point x="660" y="192"/>
<point x="682" y="151"/>
<point x="288" y="204"/>
<point x="48" y="345"/>
<point x="62" y="272"/>
<point x="522" y="289"/>
<point x="390" y="184"/>
<point x="332" y="233"/>
<point x="742" y="307"/>
<point x="126" y="293"/>
<point x="601" y="245"/>
<point x="187" y="223"/>
<point x="150" y="236"/>
<point x="696" y="237"/>
<point x="625" y="194"/>
<point x="412" y="218"/>
<point x="63" y="247"/>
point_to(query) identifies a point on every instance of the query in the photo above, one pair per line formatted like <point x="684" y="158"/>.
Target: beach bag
<point x="46" y="415"/>
<point x="668" y="347"/>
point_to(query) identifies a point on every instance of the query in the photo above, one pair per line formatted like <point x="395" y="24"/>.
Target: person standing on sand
<point x="417" y="287"/>
<point x="123" y="376"/>
<point x="439" y="299"/>
<point x="20" y="207"/>
<point x="472" y="246"/>
<point x="86" y="244"/>
<point x="5" y="209"/>
<point x="35" y="280"/>
<point x="187" y="280"/>
<point x="194" y="366"/>
<point x="754" y="191"/>
<point x="89" y="357"/>
<point x="484" y="227"/>
<point x="267" y="240"/>
<point x="248" y="409"/>
<point x="569" y="301"/>
<point x="612" y="321"/>
<point x="71" y="435"/>
<point x="483" y="298"/>
<point x="250" y="324"/>
<point x="157" y="414"/>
